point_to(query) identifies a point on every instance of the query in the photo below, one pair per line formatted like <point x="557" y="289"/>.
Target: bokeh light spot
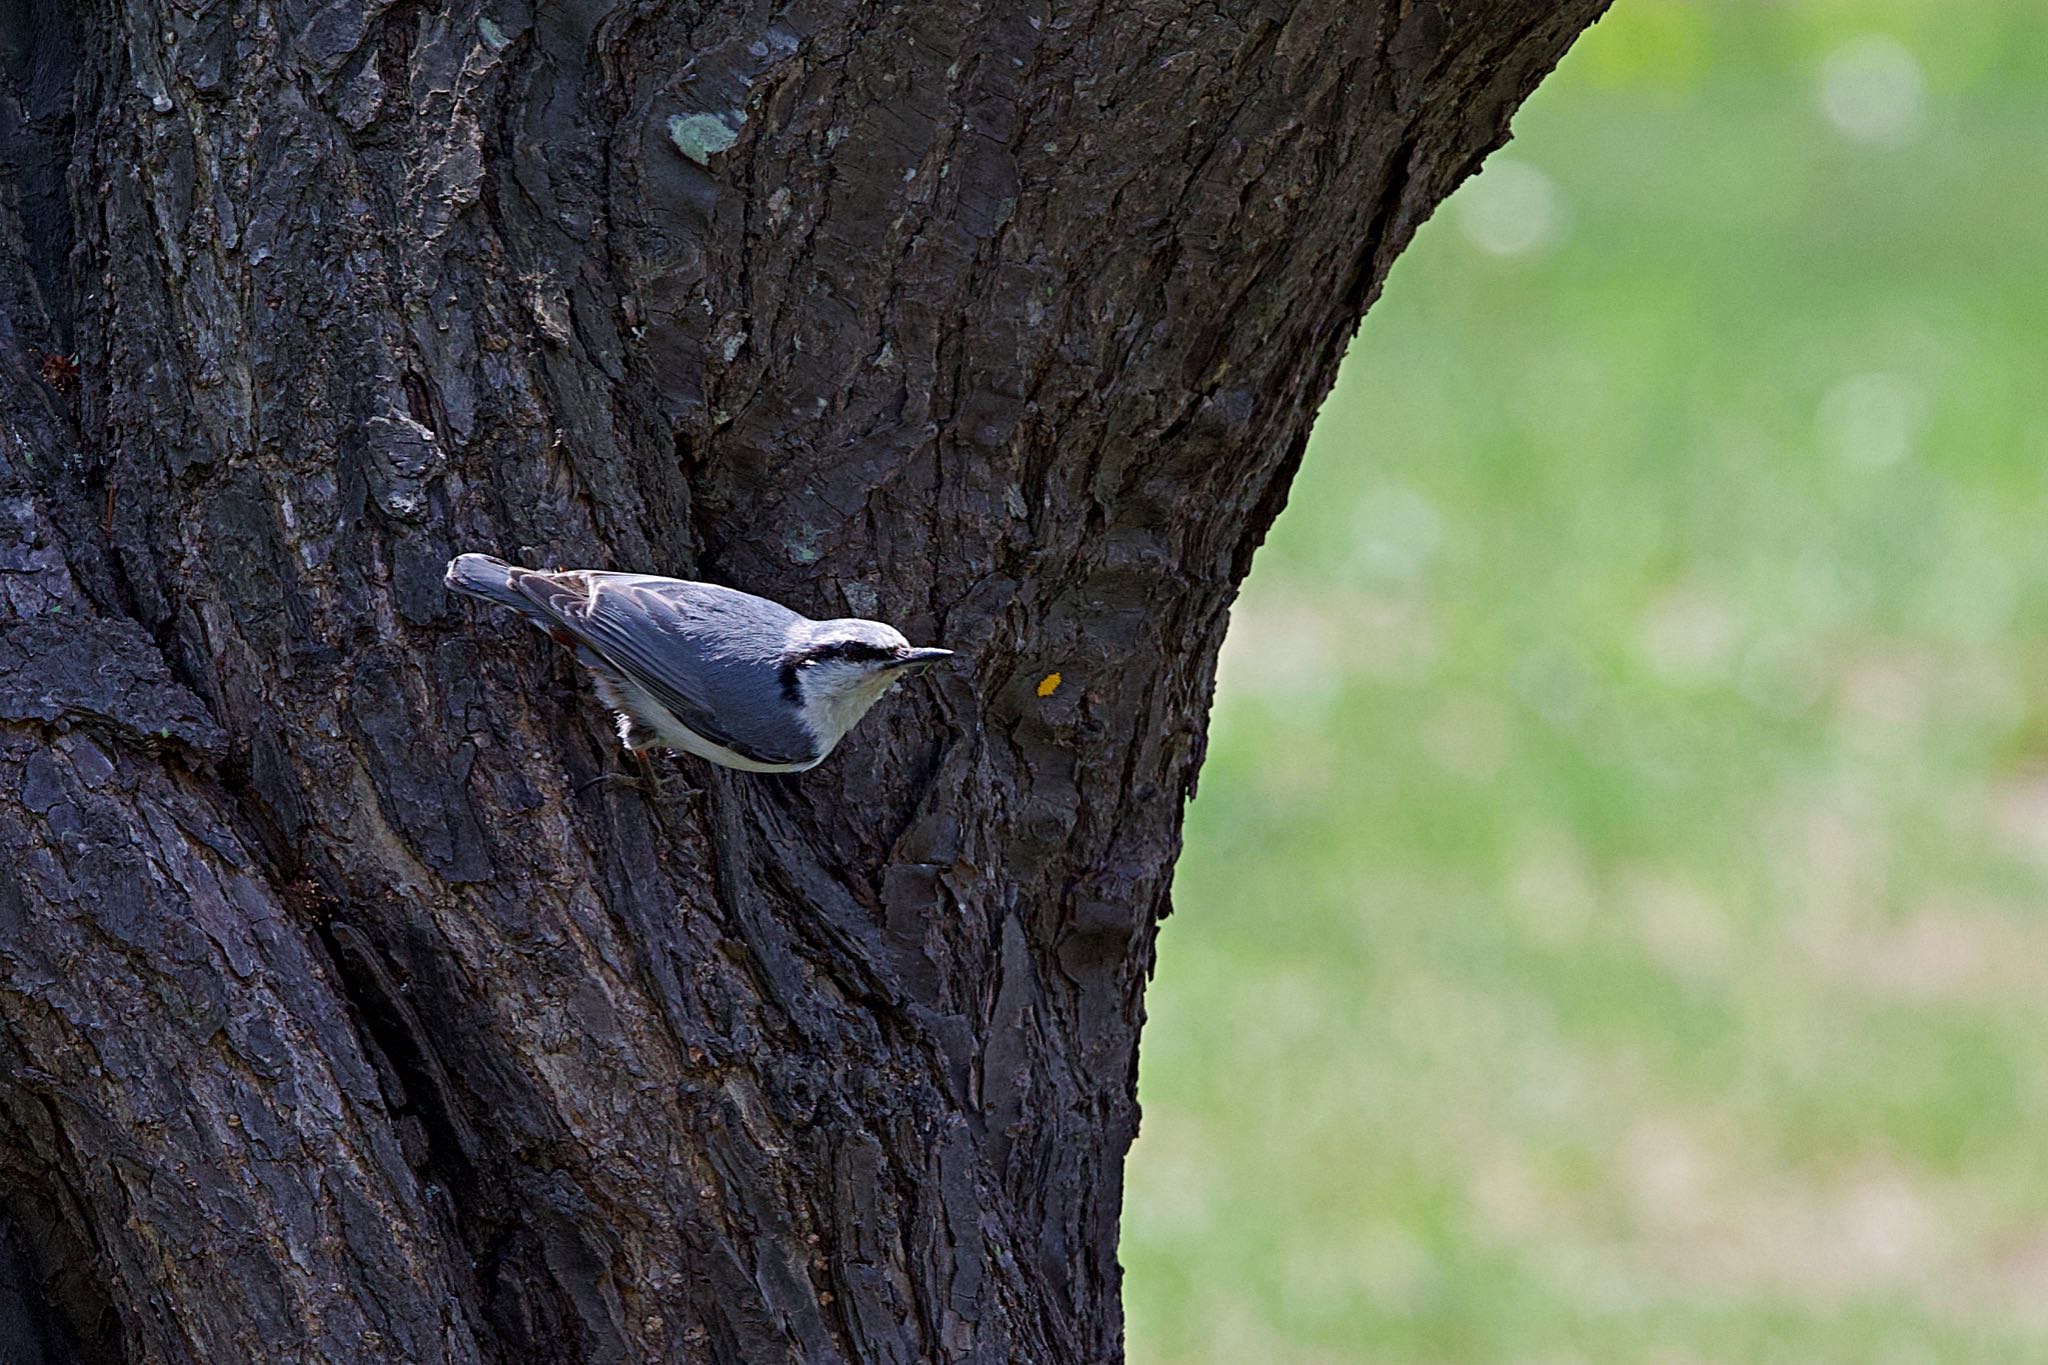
<point x="1511" y="209"/>
<point x="1872" y="90"/>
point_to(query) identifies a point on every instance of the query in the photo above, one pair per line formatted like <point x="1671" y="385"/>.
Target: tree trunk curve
<point x="341" y="1017"/>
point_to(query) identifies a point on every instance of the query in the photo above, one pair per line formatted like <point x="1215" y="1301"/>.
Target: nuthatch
<point x="725" y="675"/>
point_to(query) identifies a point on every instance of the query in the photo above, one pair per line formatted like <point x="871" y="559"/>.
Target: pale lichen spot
<point x="803" y="546"/>
<point x="702" y="136"/>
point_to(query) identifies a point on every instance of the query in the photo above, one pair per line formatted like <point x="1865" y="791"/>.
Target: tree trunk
<point x="340" y="1020"/>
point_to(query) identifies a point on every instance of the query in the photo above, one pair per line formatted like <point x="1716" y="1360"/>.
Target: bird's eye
<point x="848" y="651"/>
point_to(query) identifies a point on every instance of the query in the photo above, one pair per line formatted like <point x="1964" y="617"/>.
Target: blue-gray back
<point x="711" y="655"/>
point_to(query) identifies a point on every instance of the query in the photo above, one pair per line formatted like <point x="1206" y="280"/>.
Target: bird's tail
<point x="488" y="578"/>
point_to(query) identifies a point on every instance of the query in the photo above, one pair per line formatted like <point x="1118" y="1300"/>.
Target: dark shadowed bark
<point x="339" y="1020"/>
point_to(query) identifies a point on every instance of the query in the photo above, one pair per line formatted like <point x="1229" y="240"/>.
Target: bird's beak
<point x="919" y="658"/>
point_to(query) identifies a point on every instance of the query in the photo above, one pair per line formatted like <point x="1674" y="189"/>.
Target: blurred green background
<point x="1614" y="926"/>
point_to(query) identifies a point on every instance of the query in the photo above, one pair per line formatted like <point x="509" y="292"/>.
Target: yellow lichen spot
<point x="1050" y="685"/>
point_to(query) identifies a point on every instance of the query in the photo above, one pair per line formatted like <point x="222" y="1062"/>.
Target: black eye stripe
<point x="850" y="651"/>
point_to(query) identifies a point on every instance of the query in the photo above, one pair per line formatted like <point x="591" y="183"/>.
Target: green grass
<point x="1615" y="924"/>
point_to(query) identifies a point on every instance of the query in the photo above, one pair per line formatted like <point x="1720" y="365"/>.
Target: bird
<point x="707" y="670"/>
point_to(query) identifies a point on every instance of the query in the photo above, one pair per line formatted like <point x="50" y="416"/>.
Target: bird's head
<point x="838" y="669"/>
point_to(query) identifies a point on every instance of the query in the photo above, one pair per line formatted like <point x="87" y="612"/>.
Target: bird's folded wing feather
<point x="713" y="667"/>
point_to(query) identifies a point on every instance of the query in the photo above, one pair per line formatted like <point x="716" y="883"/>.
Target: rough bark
<point x="338" y="1020"/>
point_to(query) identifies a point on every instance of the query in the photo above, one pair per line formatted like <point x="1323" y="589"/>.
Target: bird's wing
<point x="710" y="655"/>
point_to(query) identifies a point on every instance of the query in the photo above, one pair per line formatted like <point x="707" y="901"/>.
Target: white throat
<point x="836" y="695"/>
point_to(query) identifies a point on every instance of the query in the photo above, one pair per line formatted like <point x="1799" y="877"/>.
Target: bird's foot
<point x="647" y="778"/>
<point x="652" y="773"/>
<point x="629" y="779"/>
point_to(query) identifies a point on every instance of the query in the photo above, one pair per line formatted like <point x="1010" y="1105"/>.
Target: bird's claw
<point x="648" y="779"/>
